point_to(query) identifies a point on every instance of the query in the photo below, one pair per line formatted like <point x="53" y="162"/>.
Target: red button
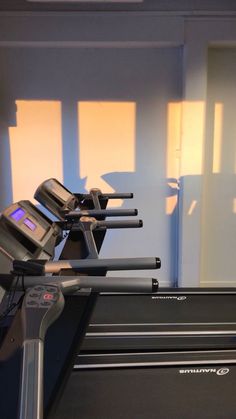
<point x="48" y="296"/>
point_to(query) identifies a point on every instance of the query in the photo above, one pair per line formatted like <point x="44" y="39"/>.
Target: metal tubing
<point x="100" y="213"/>
<point x="70" y="284"/>
<point x="31" y="395"/>
<point x="105" y="264"/>
<point x="117" y="284"/>
<point x="126" y="195"/>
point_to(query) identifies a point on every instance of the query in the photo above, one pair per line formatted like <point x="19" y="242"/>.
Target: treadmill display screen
<point x="17" y="214"/>
<point x="30" y="224"/>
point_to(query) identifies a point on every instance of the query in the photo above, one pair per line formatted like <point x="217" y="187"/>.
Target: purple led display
<point x="30" y="224"/>
<point x="17" y="214"/>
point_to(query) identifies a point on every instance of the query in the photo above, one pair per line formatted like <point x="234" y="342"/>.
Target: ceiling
<point x="179" y="6"/>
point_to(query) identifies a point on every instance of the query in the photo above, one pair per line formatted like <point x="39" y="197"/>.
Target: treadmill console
<point x="55" y="197"/>
<point x="26" y="233"/>
<point x="26" y="222"/>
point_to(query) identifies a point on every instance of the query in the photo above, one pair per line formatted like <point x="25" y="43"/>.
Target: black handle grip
<point x="119" y="224"/>
<point x="117" y="195"/>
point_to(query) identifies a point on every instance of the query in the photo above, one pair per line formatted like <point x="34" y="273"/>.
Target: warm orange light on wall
<point x="35" y="146"/>
<point x="106" y="140"/>
<point x="185" y="145"/>
<point x="192" y="138"/>
<point x="234" y="205"/>
<point x="217" y="141"/>
<point x="173" y="151"/>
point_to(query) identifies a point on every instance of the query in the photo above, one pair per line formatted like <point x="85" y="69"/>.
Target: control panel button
<point x="48" y="296"/>
<point x="45" y="303"/>
<point x="31" y="303"/>
<point x="51" y="289"/>
<point x="34" y="295"/>
<point x="39" y="288"/>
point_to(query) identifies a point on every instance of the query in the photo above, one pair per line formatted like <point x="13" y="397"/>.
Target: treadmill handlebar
<point x="71" y="284"/>
<point x="115" y="284"/>
<point x="69" y="215"/>
<point x="117" y="195"/>
<point x="104" y="264"/>
<point x="42" y="267"/>
<point x="99" y="225"/>
<point x="119" y="224"/>
<point x="126" y="195"/>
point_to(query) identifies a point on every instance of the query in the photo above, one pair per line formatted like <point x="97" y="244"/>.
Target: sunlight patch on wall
<point x="173" y="153"/>
<point x="234" y="205"/>
<point x="217" y="142"/>
<point x="107" y="132"/>
<point x="192" y="207"/>
<point x="192" y="139"/>
<point x="35" y="146"/>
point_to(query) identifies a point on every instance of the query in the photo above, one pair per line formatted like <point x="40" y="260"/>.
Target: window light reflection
<point x="35" y="146"/>
<point x="217" y="145"/>
<point x="106" y="141"/>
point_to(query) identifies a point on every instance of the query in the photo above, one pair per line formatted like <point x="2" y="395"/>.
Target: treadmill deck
<point x="173" y="318"/>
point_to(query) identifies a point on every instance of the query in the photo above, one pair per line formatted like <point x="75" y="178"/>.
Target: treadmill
<point x="28" y="234"/>
<point x="15" y="242"/>
<point x="168" y="356"/>
<point x="175" y="319"/>
<point x="180" y="384"/>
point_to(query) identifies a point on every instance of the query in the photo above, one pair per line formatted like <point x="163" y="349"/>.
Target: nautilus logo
<point x="220" y="371"/>
<point x="169" y="297"/>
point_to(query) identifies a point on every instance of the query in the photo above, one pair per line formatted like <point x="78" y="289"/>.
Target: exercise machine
<point x="183" y="382"/>
<point x="176" y="318"/>
<point x="42" y="305"/>
<point x="171" y="355"/>
<point x="22" y="223"/>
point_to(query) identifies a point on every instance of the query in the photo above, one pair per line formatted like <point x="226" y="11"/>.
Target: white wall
<point x="33" y="44"/>
<point x="53" y="87"/>
<point x="219" y="198"/>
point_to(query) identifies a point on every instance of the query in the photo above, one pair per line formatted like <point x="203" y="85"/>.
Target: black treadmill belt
<point x="151" y="393"/>
<point x="154" y="343"/>
<point x="180" y="319"/>
<point x="155" y="309"/>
